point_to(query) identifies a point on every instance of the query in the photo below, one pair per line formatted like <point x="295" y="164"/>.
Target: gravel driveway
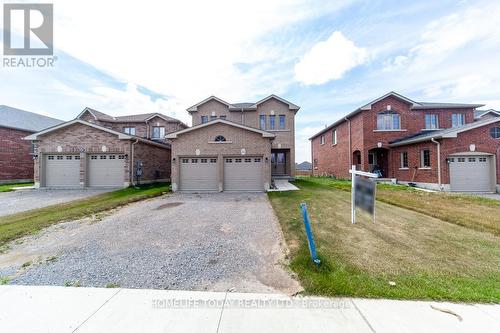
<point x="180" y="241"/>
<point x="19" y="201"/>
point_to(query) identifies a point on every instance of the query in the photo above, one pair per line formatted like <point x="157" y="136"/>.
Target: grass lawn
<point x="426" y="257"/>
<point x="28" y="222"/>
<point x="474" y="212"/>
<point x="9" y="187"/>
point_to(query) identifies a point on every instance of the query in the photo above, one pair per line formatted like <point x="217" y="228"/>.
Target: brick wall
<point x="156" y="163"/>
<point x="16" y="163"/>
<point x="254" y="144"/>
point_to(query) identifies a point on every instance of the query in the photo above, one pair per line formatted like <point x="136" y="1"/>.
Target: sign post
<point x="362" y="192"/>
<point x="310" y="239"/>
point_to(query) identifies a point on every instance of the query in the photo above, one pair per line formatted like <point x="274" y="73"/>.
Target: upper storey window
<point x="272" y="122"/>
<point x="158" y="132"/>
<point x="282" y="121"/>
<point x="204" y="119"/>
<point x="262" y="122"/>
<point x="457" y="119"/>
<point x="129" y="130"/>
<point x="431" y="121"/>
<point x="388" y="120"/>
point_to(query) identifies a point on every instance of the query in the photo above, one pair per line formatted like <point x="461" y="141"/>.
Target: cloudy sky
<point x="329" y="57"/>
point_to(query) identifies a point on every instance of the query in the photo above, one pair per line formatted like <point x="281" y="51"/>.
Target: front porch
<point x="281" y="164"/>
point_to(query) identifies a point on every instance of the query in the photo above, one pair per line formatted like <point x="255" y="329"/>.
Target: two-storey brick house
<point x="235" y="146"/>
<point x="433" y="145"/>
<point x="99" y="150"/>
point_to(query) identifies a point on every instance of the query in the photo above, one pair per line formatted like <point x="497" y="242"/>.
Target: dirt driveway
<point x="182" y="241"/>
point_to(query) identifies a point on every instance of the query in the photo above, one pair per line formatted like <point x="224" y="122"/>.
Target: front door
<point x="278" y="163"/>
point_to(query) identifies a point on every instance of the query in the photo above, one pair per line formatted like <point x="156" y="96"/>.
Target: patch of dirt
<point x="169" y="205"/>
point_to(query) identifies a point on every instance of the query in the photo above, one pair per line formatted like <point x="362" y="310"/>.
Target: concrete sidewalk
<point x="67" y="309"/>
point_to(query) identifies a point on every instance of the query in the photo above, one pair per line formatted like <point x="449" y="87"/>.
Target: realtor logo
<point x="34" y="22"/>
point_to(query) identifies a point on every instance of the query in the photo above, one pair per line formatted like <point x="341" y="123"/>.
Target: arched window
<point x="220" y="138"/>
<point x="388" y="120"/>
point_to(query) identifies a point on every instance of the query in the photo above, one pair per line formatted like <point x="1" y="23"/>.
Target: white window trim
<point x="334" y="136"/>
<point x="322" y="140"/>
<point x="401" y="160"/>
<point x="422" y="167"/>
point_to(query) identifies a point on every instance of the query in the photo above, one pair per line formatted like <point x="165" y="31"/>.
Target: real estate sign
<point x="363" y="192"/>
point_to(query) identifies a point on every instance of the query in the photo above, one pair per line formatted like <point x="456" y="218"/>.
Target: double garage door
<point x="239" y="174"/>
<point x="103" y="170"/>
<point x="471" y="173"/>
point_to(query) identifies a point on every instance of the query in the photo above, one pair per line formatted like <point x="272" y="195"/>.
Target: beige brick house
<point x="98" y="150"/>
<point x="234" y="147"/>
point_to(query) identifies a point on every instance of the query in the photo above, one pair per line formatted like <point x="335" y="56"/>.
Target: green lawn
<point x="9" y="187"/>
<point x="426" y="257"/>
<point x="20" y="224"/>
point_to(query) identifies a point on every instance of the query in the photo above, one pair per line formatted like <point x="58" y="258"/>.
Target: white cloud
<point x="329" y="60"/>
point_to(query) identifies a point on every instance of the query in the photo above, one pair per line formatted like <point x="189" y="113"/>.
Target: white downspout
<point x="439" y="162"/>
<point x="132" y="161"/>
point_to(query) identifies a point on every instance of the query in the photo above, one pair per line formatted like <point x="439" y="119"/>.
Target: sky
<point x="329" y="57"/>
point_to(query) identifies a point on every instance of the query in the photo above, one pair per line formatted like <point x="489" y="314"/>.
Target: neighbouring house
<point x="98" y="150"/>
<point x="478" y="114"/>
<point x="442" y="146"/>
<point x="304" y="166"/>
<point x="235" y="146"/>
<point x="16" y="154"/>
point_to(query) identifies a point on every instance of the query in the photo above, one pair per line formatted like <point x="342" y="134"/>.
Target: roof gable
<point x="174" y="135"/>
<point x="290" y="105"/>
<point x="194" y="108"/>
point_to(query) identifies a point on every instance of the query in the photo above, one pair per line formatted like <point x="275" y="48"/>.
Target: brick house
<point x="235" y="147"/>
<point x="444" y="146"/>
<point x="98" y="150"/>
<point x="16" y="158"/>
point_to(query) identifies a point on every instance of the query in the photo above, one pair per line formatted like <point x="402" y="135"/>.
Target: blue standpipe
<point x="310" y="239"/>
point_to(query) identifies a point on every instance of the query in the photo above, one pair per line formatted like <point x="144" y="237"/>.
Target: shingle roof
<point x="480" y="113"/>
<point x="130" y="118"/>
<point x="246" y="106"/>
<point x="445" y="133"/>
<point x="242" y="105"/>
<point x="432" y="105"/>
<point x="24" y="120"/>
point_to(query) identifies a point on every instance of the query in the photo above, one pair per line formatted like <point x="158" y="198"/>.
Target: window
<point x="262" y="122"/>
<point x="32" y="148"/>
<point x="257" y="160"/>
<point x="282" y="121"/>
<point x="248" y="160"/>
<point x="185" y="160"/>
<point x="461" y="159"/>
<point x="472" y="159"/>
<point x="229" y="160"/>
<point x="59" y="157"/>
<point x="121" y="157"/>
<point x="322" y="140"/>
<point x="158" y="132"/>
<point x="223" y="117"/>
<point x="93" y="157"/>
<point x="371" y="159"/>
<point x="213" y="160"/>
<point x="388" y="120"/>
<point x="457" y="119"/>
<point x="237" y="160"/>
<point x="220" y="138"/>
<point x="272" y="122"/>
<point x="129" y="130"/>
<point x="69" y="157"/>
<point x="334" y="137"/>
<point x="77" y="157"/>
<point x="495" y="132"/>
<point x="431" y="121"/>
<point x="194" y="160"/>
<point x="425" y="158"/>
<point x="482" y="159"/>
<point x="51" y="157"/>
<point x="404" y="160"/>
<point x="112" y="157"/>
<point x="102" y="157"/>
<point x="213" y="118"/>
<point x="204" y="119"/>
<point x="204" y="160"/>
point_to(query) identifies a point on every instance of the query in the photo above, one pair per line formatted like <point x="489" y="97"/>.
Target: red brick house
<point x="99" y="150"/>
<point x="16" y="158"/>
<point x="444" y="146"/>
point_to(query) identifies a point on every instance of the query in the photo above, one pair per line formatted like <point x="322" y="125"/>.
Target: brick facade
<point x="364" y="137"/>
<point x="84" y="140"/>
<point x="202" y="141"/>
<point x="16" y="161"/>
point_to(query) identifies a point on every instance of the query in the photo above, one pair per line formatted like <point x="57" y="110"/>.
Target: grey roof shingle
<point x="130" y="118"/>
<point x="25" y="120"/>
<point x="243" y="105"/>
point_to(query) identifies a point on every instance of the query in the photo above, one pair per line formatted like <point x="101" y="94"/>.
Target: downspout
<point x="132" y="161"/>
<point x="439" y="162"/>
<point x="350" y="145"/>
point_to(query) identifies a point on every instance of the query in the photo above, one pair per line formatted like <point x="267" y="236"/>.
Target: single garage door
<point x="106" y="170"/>
<point x="471" y="173"/>
<point x="198" y="174"/>
<point x="62" y="170"/>
<point x="243" y="174"/>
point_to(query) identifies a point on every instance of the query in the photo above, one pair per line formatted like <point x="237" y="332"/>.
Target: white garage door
<point x="243" y="174"/>
<point x="106" y="170"/>
<point x="62" y="170"/>
<point x="471" y="173"/>
<point x="198" y="174"/>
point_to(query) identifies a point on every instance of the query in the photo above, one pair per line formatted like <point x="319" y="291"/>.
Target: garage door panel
<point x="243" y="174"/>
<point x="198" y="174"/>
<point x="62" y="170"/>
<point x="470" y="173"/>
<point x="106" y="170"/>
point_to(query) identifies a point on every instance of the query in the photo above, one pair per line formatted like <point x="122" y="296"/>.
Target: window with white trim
<point x="272" y="122"/>
<point x="129" y="130"/>
<point x="334" y="137"/>
<point x="322" y="140"/>
<point x="204" y="119"/>
<point x="282" y="121"/>
<point x="431" y="121"/>
<point x="388" y="120"/>
<point x="404" y="160"/>
<point x="220" y="138"/>
<point x="457" y="119"/>
<point x="495" y="132"/>
<point x="262" y="121"/>
<point x="425" y="158"/>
